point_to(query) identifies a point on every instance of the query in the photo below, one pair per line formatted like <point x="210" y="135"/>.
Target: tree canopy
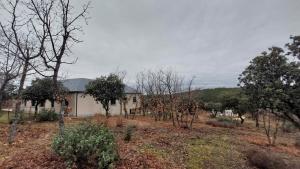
<point x="294" y="46"/>
<point x="272" y="83"/>
<point x="239" y="105"/>
<point x="40" y="91"/>
<point x="106" y="89"/>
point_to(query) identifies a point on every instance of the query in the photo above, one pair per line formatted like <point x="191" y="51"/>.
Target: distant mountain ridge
<point x="215" y="95"/>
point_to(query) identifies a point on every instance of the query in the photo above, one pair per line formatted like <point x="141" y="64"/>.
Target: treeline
<point x="216" y="95"/>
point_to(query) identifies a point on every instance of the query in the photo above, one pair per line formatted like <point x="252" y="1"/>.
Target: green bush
<point x="128" y="133"/>
<point x="87" y="146"/>
<point x="47" y="115"/>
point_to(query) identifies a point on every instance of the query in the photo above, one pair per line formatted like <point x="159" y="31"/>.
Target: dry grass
<point x="153" y="144"/>
<point x="119" y="122"/>
<point x="221" y="124"/>
<point x="214" y="152"/>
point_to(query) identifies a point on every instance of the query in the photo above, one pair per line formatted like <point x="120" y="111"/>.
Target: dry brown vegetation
<point x="157" y="144"/>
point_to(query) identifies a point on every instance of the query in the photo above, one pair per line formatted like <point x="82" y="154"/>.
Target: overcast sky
<point x="213" y="40"/>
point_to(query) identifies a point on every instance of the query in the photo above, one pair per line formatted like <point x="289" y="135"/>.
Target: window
<point x="134" y="99"/>
<point x="113" y="102"/>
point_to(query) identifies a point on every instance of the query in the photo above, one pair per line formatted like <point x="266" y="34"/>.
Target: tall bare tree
<point x="173" y="83"/>
<point x="18" y="31"/>
<point x="10" y="67"/>
<point x="140" y="87"/>
<point x="58" y="20"/>
<point x="164" y="97"/>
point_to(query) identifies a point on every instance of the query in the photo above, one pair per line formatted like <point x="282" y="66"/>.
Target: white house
<point x="80" y="105"/>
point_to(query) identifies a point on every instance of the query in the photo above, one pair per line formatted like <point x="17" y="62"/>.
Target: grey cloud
<point x="213" y="40"/>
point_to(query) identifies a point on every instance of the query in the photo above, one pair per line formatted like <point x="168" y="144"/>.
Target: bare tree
<point x="18" y="31"/>
<point x="140" y="87"/>
<point x="164" y="97"/>
<point x="123" y="101"/>
<point x="146" y="86"/>
<point x="270" y="125"/>
<point x="173" y="83"/>
<point x="10" y="67"/>
<point x="57" y="20"/>
<point x="187" y="107"/>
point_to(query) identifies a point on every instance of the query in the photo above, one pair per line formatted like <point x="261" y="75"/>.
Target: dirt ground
<point x="154" y="145"/>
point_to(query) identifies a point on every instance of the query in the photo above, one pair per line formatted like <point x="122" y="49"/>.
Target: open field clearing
<point x="153" y="145"/>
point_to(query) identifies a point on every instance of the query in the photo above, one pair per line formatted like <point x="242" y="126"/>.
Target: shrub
<point x="128" y="133"/>
<point x="262" y="159"/>
<point x="221" y="124"/>
<point x="226" y="122"/>
<point x="87" y="145"/>
<point x="47" y="115"/>
<point x="226" y="119"/>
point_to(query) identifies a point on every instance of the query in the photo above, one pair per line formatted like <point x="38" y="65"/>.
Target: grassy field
<point x="5" y="116"/>
<point x="153" y="145"/>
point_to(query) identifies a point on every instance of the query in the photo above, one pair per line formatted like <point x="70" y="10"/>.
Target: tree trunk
<point x="242" y="119"/>
<point x="192" y="121"/>
<point x="61" y="98"/>
<point x="36" y="110"/>
<point x="257" y="119"/>
<point x="121" y="107"/>
<point x="0" y="102"/>
<point x="1" y="99"/>
<point x="173" y="119"/>
<point x="106" y="114"/>
<point x="13" y="126"/>
<point x="61" y="122"/>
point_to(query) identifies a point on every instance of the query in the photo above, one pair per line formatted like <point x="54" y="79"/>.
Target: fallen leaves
<point x="153" y="145"/>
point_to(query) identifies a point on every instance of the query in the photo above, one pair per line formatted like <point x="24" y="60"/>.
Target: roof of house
<point x="78" y="85"/>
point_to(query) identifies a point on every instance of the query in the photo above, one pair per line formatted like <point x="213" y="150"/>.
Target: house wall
<point x="28" y="108"/>
<point x="86" y="105"/>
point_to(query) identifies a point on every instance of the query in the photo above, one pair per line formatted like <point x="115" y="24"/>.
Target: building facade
<point x="80" y="105"/>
